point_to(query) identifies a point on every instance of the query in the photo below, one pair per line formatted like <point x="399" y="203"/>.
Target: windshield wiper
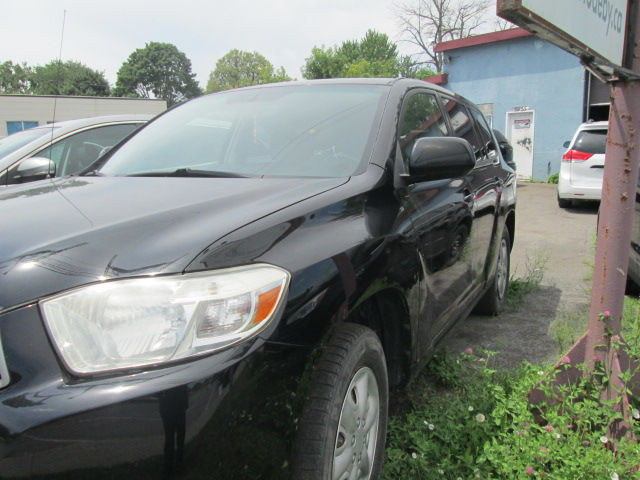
<point x="188" y="172"/>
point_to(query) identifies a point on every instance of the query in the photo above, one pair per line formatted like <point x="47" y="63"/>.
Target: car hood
<point x="68" y="232"/>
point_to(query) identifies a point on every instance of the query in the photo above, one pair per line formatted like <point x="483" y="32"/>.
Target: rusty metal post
<point x="616" y="209"/>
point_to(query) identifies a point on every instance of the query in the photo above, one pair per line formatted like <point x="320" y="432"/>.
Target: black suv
<point x="233" y="291"/>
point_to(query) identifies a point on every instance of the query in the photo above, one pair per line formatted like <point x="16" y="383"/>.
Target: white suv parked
<point x="583" y="164"/>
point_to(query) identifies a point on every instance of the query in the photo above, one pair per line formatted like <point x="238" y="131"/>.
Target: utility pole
<point x="613" y="55"/>
<point x="617" y="206"/>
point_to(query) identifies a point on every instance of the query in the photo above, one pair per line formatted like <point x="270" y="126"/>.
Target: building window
<point x="18" y="126"/>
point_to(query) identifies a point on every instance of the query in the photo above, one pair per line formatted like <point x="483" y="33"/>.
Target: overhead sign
<point x="587" y="28"/>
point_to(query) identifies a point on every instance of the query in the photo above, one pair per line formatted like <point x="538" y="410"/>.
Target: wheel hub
<point x="502" y="269"/>
<point x="356" y="439"/>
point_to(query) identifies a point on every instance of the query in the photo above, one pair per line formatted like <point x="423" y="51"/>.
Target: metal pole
<point x="616" y="208"/>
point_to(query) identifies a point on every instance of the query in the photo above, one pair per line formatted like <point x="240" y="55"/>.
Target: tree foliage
<point x="54" y="78"/>
<point x="14" y="77"/>
<point x="425" y="23"/>
<point x="67" y="78"/>
<point x="408" y="67"/>
<point x="242" y="69"/>
<point x="372" y="56"/>
<point x="158" y="70"/>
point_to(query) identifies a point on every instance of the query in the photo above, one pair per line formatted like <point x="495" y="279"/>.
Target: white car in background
<point x="62" y="148"/>
<point x="583" y="165"/>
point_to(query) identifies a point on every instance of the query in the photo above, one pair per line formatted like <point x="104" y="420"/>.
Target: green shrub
<point x="553" y="178"/>
<point x="467" y="421"/>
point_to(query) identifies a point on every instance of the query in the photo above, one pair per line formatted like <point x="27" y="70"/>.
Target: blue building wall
<point x="524" y="72"/>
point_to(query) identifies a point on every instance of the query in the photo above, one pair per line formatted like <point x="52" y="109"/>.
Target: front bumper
<point x="226" y="416"/>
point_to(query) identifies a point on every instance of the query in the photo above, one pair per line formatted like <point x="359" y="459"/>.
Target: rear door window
<point x="484" y="132"/>
<point x="591" y="141"/>
<point x="462" y="125"/>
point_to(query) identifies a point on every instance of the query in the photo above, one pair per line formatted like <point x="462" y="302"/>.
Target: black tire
<point x="631" y="289"/>
<point x="493" y="300"/>
<point x="350" y="350"/>
<point x="564" y="202"/>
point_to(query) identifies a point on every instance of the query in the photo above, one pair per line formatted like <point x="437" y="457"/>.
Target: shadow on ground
<point x="520" y="333"/>
<point x="584" y="207"/>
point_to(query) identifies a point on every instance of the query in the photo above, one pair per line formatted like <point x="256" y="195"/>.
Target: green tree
<point x="376" y="47"/>
<point x="409" y="68"/>
<point x="242" y="69"/>
<point x="158" y="70"/>
<point x="67" y="78"/>
<point x="372" y="56"/>
<point x="323" y="63"/>
<point x="14" y="77"/>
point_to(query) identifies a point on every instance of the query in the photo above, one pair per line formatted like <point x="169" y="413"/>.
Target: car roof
<point x="90" y="121"/>
<point x="405" y="82"/>
<point x="594" y="126"/>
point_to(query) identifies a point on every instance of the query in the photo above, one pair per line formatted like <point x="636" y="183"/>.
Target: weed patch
<point x="464" y="420"/>
<point x="521" y="286"/>
<point x="485" y="428"/>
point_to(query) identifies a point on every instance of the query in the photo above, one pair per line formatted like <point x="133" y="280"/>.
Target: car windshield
<point x="18" y="140"/>
<point x="302" y="131"/>
<point x="591" y="141"/>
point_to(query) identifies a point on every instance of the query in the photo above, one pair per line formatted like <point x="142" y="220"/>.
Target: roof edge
<point x="80" y="96"/>
<point x="483" y="39"/>
<point x="439" y="79"/>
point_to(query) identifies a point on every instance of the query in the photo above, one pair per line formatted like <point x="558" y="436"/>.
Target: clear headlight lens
<point x="146" y="321"/>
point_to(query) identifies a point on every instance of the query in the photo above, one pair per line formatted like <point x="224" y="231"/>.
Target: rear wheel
<point x="493" y="300"/>
<point x="632" y="289"/>
<point x="343" y="425"/>
<point x="564" y="202"/>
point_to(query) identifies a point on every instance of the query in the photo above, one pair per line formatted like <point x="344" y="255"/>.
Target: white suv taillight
<point x="576" y="156"/>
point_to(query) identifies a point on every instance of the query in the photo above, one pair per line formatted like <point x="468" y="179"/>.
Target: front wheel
<point x="493" y="300"/>
<point x="343" y="425"/>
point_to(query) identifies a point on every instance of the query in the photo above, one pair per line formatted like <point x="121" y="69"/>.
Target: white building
<point x="18" y="112"/>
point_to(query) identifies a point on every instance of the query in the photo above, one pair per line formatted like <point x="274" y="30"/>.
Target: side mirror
<point x="436" y="158"/>
<point x="566" y="144"/>
<point x="34" y="168"/>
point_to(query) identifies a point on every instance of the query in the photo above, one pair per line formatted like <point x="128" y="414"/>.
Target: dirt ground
<point x="566" y="238"/>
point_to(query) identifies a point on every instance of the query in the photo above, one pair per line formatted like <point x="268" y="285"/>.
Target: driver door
<point x="441" y="217"/>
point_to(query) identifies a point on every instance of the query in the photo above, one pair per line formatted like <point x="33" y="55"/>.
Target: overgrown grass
<point x="521" y="286"/>
<point x="463" y="420"/>
<point x="568" y="327"/>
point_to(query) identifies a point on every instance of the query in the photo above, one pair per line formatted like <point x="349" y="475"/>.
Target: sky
<point x="102" y="34"/>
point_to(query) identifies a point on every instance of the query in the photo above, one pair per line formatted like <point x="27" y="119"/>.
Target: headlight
<point x="146" y="321"/>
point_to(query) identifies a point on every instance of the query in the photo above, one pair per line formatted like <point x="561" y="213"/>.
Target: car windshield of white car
<point x="18" y="140"/>
<point x="300" y="131"/>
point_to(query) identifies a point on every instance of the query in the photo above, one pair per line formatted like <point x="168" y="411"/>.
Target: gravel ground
<point x="566" y="237"/>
